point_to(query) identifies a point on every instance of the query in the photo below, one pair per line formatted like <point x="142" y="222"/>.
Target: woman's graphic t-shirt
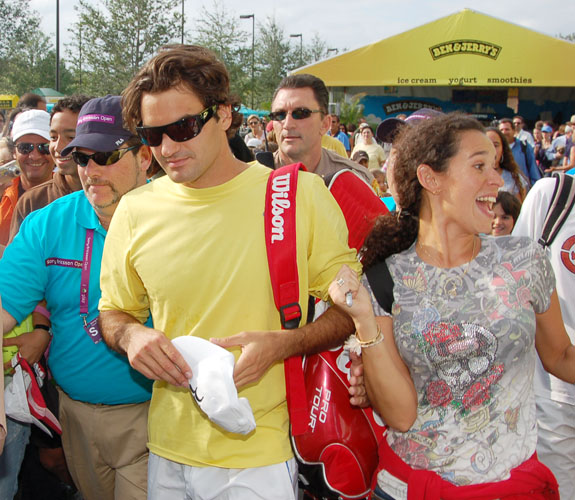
<point x="468" y="338"/>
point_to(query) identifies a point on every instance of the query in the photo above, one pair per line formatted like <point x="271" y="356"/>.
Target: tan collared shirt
<point x="331" y="163"/>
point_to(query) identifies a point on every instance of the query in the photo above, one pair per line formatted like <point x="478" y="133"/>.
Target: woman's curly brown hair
<point x="431" y="142"/>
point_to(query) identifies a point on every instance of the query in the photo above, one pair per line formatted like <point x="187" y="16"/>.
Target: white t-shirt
<point x="562" y="255"/>
<point x="509" y="183"/>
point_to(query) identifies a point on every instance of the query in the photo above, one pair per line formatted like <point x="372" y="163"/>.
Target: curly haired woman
<point x="463" y="317"/>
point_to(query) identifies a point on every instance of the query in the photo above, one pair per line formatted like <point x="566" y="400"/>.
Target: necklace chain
<point x="432" y="259"/>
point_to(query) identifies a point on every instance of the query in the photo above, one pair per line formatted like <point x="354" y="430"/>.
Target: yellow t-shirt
<point x="333" y="144"/>
<point x="376" y="154"/>
<point x="197" y="259"/>
<point x="27" y="325"/>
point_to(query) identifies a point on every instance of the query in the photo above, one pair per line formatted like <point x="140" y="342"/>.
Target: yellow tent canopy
<point x="464" y="49"/>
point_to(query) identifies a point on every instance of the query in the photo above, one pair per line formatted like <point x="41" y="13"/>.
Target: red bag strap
<point x="36" y="403"/>
<point x="280" y="233"/>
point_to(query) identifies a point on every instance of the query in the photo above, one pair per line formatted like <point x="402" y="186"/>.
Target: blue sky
<point x="353" y="23"/>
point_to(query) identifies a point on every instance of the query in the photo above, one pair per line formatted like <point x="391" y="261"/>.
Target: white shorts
<point x="169" y="480"/>
<point x="556" y="442"/>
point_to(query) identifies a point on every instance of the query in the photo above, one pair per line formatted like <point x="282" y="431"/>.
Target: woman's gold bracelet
<point x="372" y="342"/>
<point x="354" y="344"/>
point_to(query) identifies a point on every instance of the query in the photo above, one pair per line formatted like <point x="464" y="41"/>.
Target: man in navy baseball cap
<point x="56" y="256"/>
<point x="100" y="126"/>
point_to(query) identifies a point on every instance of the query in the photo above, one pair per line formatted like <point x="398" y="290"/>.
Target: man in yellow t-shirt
<point x="190" y="249"/>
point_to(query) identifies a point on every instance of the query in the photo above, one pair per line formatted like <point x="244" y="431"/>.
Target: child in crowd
<point x="506" y="208"/>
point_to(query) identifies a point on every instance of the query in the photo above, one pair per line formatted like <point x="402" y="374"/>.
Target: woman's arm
<point x="388" y="382"/>
<point x="387" y="379"/>
<point x="554" y="347"/>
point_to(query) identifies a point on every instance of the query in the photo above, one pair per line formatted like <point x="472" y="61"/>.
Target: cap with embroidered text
<point x="100" y="126"/>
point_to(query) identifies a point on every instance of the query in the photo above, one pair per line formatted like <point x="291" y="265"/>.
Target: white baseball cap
<point x="32" y="121"/>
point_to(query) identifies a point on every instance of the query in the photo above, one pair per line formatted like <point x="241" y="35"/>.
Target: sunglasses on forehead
<point x="182" y="130"/>
<point x="25" y="148"/>
<point x="102" y="159"/>
<point x="296" y="114"/>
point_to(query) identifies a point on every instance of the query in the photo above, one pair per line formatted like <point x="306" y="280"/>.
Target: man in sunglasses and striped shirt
<point x="31" y="135"/>
<point x="56" y="256"/>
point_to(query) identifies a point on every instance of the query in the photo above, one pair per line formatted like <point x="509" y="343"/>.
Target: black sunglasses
<point x="182" y="130"/>
<point x="25" y="148"/>
<point x="297" y="114"/>
<point x="103" y="159"/>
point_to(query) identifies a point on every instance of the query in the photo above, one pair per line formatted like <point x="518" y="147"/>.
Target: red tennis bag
<point x="334" y="442"/>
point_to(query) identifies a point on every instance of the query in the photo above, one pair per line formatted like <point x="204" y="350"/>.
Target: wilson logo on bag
<point x="334" y="442"/>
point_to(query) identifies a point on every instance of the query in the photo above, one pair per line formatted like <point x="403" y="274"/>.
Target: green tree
<point x="17" y="21"/>
<point x="218" y="30"/>
<point x="117" y="38"/>
<point x="27" y="56"/>
<point x="351" y="111"/>
<point x="274" y="58"/>
<point x="316" y="50"/>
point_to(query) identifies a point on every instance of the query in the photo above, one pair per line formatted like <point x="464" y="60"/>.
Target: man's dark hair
<point x="519" y="117"/>
<point x="72" y="103"/>
<point x="336" y="117"/>
<point x="188" y="66"/>
<point x="304" y="81"/>
<point x="506" y="120"/>
<point x="30" y="101"/>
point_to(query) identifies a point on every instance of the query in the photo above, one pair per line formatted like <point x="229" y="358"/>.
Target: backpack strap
<point x="359" y="203"/>
<point x="560" y="206"/>
<point x="280" y="233"/>
<point x="381" y="284"/>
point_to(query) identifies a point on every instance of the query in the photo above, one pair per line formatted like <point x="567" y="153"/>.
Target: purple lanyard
<point x="85" y="280"/>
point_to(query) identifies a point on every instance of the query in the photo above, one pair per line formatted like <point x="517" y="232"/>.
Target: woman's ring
<point x="340" y="282"/>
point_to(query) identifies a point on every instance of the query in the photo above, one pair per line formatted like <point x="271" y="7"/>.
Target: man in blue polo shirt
<point x="522" y="152"/>
<point x="334" y="131"/>
<point x="56" y="256"/>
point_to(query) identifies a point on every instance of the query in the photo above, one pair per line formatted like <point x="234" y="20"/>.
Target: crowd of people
<point x="137" y="219"/>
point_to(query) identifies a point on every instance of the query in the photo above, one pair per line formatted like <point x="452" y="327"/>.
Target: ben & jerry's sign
<point x="455" y="47"/>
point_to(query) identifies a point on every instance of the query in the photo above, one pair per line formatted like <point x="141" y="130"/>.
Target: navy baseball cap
<point x="100" y="126"/>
